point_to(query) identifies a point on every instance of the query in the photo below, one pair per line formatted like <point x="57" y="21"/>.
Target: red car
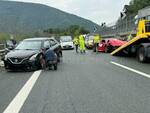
<point x="109" y="45"/>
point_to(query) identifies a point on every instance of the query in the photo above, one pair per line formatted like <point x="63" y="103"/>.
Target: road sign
<point x="95" y="29"/>
<point x="123" y="15"/>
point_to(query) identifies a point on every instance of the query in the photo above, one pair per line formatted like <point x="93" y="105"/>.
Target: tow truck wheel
<point x="141" y="55"/>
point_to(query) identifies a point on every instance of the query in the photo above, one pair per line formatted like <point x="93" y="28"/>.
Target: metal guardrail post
<point x="2" y="50"/>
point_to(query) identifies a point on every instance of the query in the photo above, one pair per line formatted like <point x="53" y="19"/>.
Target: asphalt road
<point x="87" y="83"/>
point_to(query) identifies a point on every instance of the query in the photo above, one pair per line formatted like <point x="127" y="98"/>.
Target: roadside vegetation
<point x="71" y="30"/>
<point x="136" y="5"/>
<point x="18" y="37"/>
<point x="3" y="37"/>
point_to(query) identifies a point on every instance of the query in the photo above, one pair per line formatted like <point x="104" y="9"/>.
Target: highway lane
<point x="10" y="84"/>
<point x="83" y="84"/>
<point x="133" y="63"/>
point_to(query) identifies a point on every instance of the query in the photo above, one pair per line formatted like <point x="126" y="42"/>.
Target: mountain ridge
<point x="25" y="17"/>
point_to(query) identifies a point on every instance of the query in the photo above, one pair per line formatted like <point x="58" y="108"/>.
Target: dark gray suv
<point x="29" y="53"/>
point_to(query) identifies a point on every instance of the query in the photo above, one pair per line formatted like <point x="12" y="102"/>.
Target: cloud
<point x="95" y="10"/>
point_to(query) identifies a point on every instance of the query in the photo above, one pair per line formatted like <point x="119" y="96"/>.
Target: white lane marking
<point x="131" y="69"/>
<point x="17" y="103"/>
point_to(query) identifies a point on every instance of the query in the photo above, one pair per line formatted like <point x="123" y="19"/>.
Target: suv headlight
<point x="32" y="58"/>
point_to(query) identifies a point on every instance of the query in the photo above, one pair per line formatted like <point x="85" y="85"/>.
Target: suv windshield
<point x="29" y="45"/>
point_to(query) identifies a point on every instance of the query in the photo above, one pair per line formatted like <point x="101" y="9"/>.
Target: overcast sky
<point x="96" y="10"/>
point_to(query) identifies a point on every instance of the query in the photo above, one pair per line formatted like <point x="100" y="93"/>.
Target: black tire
<point x="141" y="55"/>
<point x="55" y="66"/>
<point x="33" y="68"/>
<point x="106" y="49"/>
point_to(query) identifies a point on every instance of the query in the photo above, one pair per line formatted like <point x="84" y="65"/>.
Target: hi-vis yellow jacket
<point x="76" y="41"/>
<point x="96" y="39"/>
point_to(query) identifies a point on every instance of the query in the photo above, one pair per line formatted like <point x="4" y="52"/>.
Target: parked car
<point x="29" y="53"/>
<point x="89" y="42"/>
<point x="66" y="42"/>
<point x="110" y="44"/>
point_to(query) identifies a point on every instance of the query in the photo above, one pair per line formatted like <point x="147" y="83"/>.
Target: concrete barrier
<point x="2" y="52"/>
<point x="2" y="49"/>
<point x="1" y="64"/>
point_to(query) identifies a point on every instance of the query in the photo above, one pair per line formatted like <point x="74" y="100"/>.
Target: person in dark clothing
<point x="51" y="59"/>
<point x="50" y="55"/>
<point x="76" y="43"/>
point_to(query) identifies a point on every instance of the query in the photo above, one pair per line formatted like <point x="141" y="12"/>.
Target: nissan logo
<point x="16" y="60"/>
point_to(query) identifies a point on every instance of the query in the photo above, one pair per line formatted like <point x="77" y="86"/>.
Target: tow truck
<point x="139" y="46"/>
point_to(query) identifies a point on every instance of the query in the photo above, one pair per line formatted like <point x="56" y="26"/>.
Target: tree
<point x="72" y="30"/>
<point x="136" y="5"/>
<point x="83" y="31"/>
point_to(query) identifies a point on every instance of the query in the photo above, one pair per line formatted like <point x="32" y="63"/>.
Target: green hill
<point x="19" y="17"/>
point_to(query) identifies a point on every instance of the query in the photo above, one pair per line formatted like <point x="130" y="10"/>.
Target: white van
<point x="66" y="42"/>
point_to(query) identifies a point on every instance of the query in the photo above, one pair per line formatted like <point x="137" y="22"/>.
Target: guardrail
<point x="2" y="49"/>
<point x="120" y="28"/>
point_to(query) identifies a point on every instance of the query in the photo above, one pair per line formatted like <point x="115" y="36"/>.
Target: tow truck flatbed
<point x="138" y="39"/>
